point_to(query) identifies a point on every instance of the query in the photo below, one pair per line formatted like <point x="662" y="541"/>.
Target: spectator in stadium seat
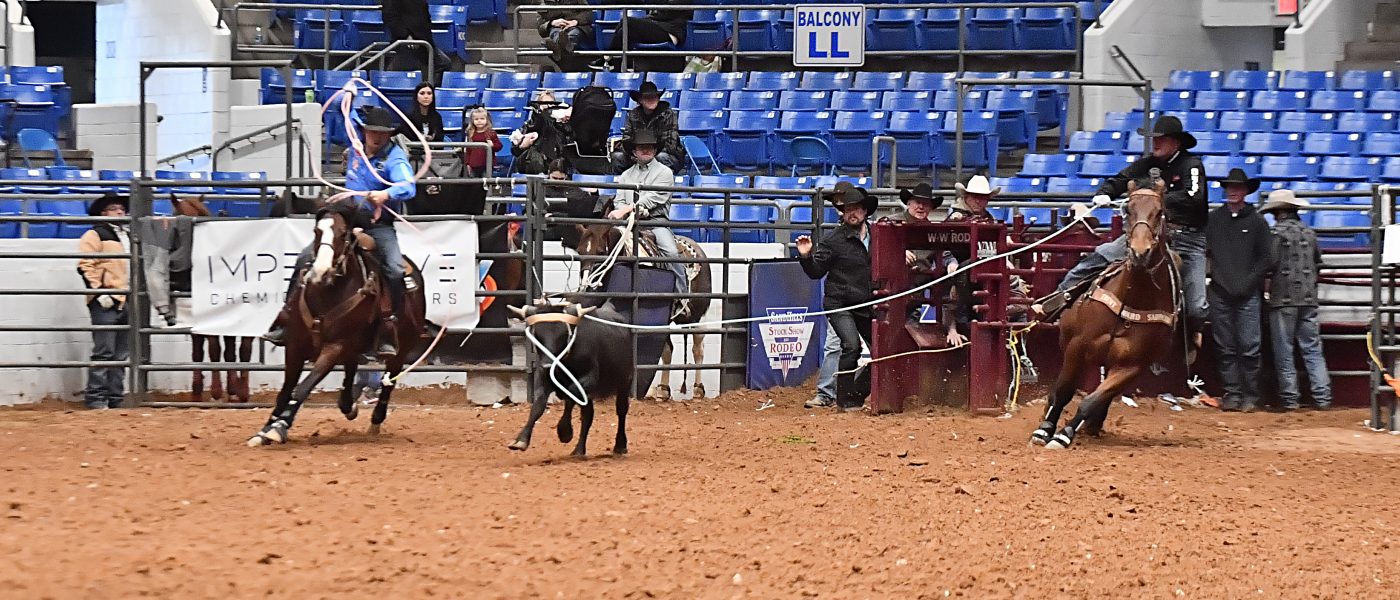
<point x="544" y="135"/>
<point x="647" y="170"/>
<point x="409" y="20"/>
<point x="843" y="258"/>
<point x="1293" y="302"/>
<point x="655" y="115"/>
<point x="479" y="129"/>
<point x="1187" y="212"/>
<point x="1240" y="250"/>
<point x="577" y="203"/>
<point x="657" y="27"/>
<point x="425" y="117"/>
<point x="564" y="30"/>
<point x="105" y="385"/>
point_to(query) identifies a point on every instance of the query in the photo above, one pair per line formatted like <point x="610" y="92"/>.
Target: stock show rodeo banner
<point x="785" y="349"/>
<point x="241" y="270"/>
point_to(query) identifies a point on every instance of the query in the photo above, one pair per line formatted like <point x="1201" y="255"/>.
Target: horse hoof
<point x="353" y="412"/>
<point x="699" y="391"/>
<point x="620" y="451"/>
<point x="1059" y="442"/>
<point x="566" y="435"/>
<point x="374" y="429"/>
<point x="519" y="446"/>
<point x="1040" y="437"/>
<point x="258" y="441"/>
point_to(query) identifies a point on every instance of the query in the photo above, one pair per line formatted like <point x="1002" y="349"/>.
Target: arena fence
<point x="1384" y="331"/>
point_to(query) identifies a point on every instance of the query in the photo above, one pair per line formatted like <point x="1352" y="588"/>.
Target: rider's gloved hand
<point x="1102" y="200"/>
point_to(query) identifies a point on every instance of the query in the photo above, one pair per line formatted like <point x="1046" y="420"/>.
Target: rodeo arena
<point x="918" y="299"/>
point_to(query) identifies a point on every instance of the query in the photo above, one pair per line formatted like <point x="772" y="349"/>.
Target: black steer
<point x="601" y="358"/>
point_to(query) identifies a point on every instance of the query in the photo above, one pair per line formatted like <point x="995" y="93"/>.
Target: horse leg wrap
<point x="1061" y="440"/>
<point x="1042" y="434"/>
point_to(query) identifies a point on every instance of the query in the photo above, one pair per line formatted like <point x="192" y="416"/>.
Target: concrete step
<point x="1372" y="51"/>
<point x="1368" y="65"/>
<point x="1385" y="32"/>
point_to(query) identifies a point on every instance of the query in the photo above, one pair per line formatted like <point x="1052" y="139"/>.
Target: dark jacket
<point x="664" y="122"/>
<point x="430" y="124"/>
<point x="1294" y="282"/>
<point x="584" y="18"/>
<point x="673" y="21"/>
<point x="1240" y="250"/>
<point x="845" y="262"/>
<point x="1186" y="186"/>
<point x="407" y="19"/>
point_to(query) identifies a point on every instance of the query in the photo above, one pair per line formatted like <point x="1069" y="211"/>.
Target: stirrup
<point x="1051" y="306"/>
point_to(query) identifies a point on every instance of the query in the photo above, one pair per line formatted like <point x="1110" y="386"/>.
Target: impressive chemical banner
<point x="786" y="348"/>
<point x="241" y="270"/>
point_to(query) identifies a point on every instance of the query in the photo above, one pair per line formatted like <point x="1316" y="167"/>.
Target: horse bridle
<point x="1161" y="224"/>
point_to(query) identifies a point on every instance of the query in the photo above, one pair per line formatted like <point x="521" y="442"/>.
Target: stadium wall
<point x="1327" y="26"/>
<point x="112" y="133"/>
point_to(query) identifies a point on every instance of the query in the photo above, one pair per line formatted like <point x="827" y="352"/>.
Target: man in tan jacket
<point x="105" y="384"/>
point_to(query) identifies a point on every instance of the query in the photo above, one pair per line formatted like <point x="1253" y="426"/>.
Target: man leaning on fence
<point x="1293" y="302"/>
<point x="105" y="385"/>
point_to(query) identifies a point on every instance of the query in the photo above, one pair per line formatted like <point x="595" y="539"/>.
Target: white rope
<point x="556" y="362"/>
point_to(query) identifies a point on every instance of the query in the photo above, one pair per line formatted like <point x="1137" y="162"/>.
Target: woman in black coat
<point x="424" y="117"/>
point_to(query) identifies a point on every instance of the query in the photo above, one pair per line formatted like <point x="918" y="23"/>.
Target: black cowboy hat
<point x="647" y="89"/>
<point x="95" y="209"/>
<point x="1171" y="126"/>
<point x="640" y="137"/>
<point x="373" y="118"/>
<point x="1238" y="176"/>
<point x="922" y="191"/>
<point x="845" y="194"/>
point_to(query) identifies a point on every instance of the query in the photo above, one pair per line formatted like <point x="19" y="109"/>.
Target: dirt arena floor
<point x="715" y="500"/>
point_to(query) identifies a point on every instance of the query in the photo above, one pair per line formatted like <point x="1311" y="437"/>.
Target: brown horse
<point x="599" y="240"/>
<point x="1120" y="324"/>
<point x="226" y="348"/>
<point x="334" y="317"/>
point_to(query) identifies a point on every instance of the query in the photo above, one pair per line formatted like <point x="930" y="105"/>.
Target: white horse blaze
<point x="325" y="254"/>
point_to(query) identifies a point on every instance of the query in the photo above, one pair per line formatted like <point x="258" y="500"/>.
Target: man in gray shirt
<point x="649" y="204"/>
<point x="1293" y="302"/>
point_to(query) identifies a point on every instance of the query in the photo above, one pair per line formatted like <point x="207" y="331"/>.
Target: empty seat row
<point x="61" y="180"/>
<point x="1382" y="143"/>
<point x="1247" y="122"/>
<point x="1273" y="168"/>
<point x="1279" y="101"/>
<point x="1284" y="81"/>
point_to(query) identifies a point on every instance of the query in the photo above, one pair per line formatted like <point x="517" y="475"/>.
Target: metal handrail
<point x="379" y="55"/>
<point x="270" y="129"/>
<point x="174" y="158"/>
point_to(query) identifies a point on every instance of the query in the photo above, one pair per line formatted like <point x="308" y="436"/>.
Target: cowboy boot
<point x="387" y="346"/>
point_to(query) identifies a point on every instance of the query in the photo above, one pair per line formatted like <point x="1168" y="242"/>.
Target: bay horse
<point x="335" y="313"/>
<point x="1122" y="323"/>
<point x="600" y="240"/>
<point x="227" y="348"/>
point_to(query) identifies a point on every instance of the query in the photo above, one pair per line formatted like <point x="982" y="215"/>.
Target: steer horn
<point x="519" y="312"/>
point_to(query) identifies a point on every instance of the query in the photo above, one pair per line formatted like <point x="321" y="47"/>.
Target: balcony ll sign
<point x="828" y="35"/>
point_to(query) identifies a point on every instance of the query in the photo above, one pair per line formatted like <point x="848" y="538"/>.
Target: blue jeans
<point x="666" y="243"/>
<point x="852" y="327"/>
<point x="1296" y="327"/>
<point x="386" y="242"/>
<point x="1235" y="327"/>
<point x="106" y="385"/>
<point x="1188" y="243"/>
<point x="831" y="358"/>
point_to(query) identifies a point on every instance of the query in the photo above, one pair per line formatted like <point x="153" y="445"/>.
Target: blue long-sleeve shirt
<point x="391" y="163"/>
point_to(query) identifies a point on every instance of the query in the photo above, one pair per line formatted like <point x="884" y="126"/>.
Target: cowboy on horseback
<point x="650" y="204"/>
<point x="1186" y="211"/>
<point x="387" y="162"/>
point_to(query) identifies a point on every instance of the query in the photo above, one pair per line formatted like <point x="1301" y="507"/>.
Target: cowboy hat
<point x="922" y="191"/>
<point x="1284" y="200"/>
<point x="647" y="89"/>
<point x="977" y="185"/>
<point x="1171" y="127"/>
<point x="640" y="137"/>
<point x="95" y="209"/>
<point x="845" y="194"/>
<point x="373" y="118"/>
<point x="1237" y="176"/>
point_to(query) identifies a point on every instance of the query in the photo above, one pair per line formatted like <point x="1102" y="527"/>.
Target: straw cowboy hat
<point x="1284" y="200"/>
<point x="977" y="185"/>
<point x="95" y="209"/>
<point x="1237" y="176"/>
<point x="922" y="191"/>
<point x="1170" y="126"/>
<point x="845" y="194"/>
<point x="646" y="89"/>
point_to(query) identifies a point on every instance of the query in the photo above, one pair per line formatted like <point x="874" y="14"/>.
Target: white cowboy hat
<point x="978" y="185"/>
<point x="1284" y="199"/>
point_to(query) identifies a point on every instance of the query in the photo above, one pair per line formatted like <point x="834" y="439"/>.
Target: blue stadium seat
<point x="1349" y="168"/>
<point x="721" y="81"/>
<point x="747" y="100"/>
<point x="689" y="213"/>
<point x="364" y="27"/>
<point x="1221" y="101"/>
<point x="274" y="90"/>
<point x="555" y="80"/>
<point x="760" y="216"/>
<point x="717" y="182"/>
<point x="878" y="81"/>
<point x="1390" y="172"/>
<point x="946" y="101"/>
<point x="1217" y="142"/>
<point x="1272" y="100"/>
<point x="1218" y="167"/>
<point x="1124" y="121"/>
<point x="826" y="80"/>
<point x="1288" y="168"/>
<point x="1366" y="80"/>
<point x="1246" y="121"/>
<point x="980" y="140"/>
<point x="757" y="29"/>
<point x="506" y="121"/>
<point x="1196" y="120"/>
<point x="624" y="82"/>
<point x="495" y="99"/>
<point x="118" y="178"/>
<point x="1172" y="101"/>
<point x="505" y="80"/>
<point x="37" y="75"/>
<point x="1382" y="144"/>
<point x="1096" y="142"/>
<point x="939" y="29"/>
<point x="894" y="29"/>
<point x="1272" y="144"/>
<point x="1050" y="165"/>
<point x="993" y="29"/>
<point x="932" y="82"/>
<point x="316" y="28"/>
<point x="772" y="81"/>
<point x="1296" y="122"/>
<point x="907" y="100"/>
<point x="745" y="143"/>
<point x="193" y="177"/>
<point x="1384" y="101"/>
<point x="1250" y="81"/>
<point x="1017" y="119"/>
<point x="707" y="30"/>
<point x="1103" y="165"/>
<point x="1304" y="80"/>
<point x="463" y="80"/>
<point x="1327" y="219"/>
<point x="850" y="138"/>
<point x="455" y="100"/>
<point x="1332" y="144"/>
<point x="804" y="100"/>
<point x="451" y="124"/>
<point x="702" y="124"/>
<point x="238" y="176"/>
<point x="1337" y="101"/>
<point x="913" y="134"/>
<point x="1071" y="185"/>
<point x="792" y="125"/>
<point x="672" y="81"/>
<point x="707" y="101"/>
<point x="851" y="100"/>
<point x="1047" y="29"/>
<point x="1192" y="81"/>
<point x="80" y="181"/>
<point x="1019" y="185"/>
<point x="1359" y="122"/>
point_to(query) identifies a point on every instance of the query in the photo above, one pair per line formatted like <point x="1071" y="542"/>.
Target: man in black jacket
<point x="564" y="30"/>
<point x="658" y="27"/>
<point x="655" y="115"/>
<point x="409" y="20"/>
<point x="843" y="257"/>
<point x="1187" y="211"/>
<point x="1241" y="254"/>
